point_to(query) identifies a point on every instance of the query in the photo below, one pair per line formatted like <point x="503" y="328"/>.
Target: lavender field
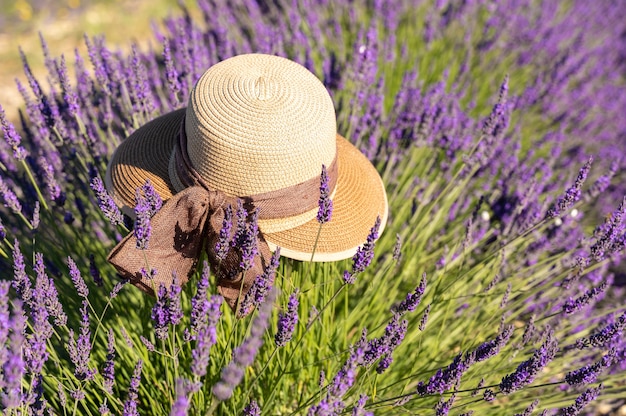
<point x="496" y="287"/>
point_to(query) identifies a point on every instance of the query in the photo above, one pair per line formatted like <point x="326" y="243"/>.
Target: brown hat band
<point x="193" y="218"/>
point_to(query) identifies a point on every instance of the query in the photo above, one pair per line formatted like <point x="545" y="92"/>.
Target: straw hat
<point x="256" y="125"/>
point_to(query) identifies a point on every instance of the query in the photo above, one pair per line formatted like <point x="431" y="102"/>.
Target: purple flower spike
<point x="589" y="373"/>
<point x="572" y="195"/>
<point x="13" y="360"/>
<point x="359" y="407"/>
<point x="528" y="370"/>
<point x="223" y="244"/>
<point x="21" y="282"/>
<point x="10" y="199"/>
<point x="445" y="378"/>
<point x="287" y="321"/>
<point x="530" y="409"/>
<point x="77" y="279"/>
<point x="106" y="203"/>
<point x="12" y="137"/>
<point x="424" y="319"/>
<point x="442" y="408"/>
<point x="606" y="335"/>
<point x="167" y="309"/>
<point x="364" y="255"/>
<point x="252" y="409"/>
<point x="491" y="348"/>
<point x="80" y="349"/>
<point x="206" y="336"/>
<point x="245" y="238"/>
<point x="143" y="211"/>
<point x="108" y="371"/>
<point x="325" y="211"/>
<point x="130" y="405"/>
<point x="574" y="305"/>
<point x="261" y="286"/>
<point x="181" y="405"/>
<point x="153" y="199"/>
<point x="413" y="299"/>
<point x="243" y="355"/>
<point x="583" y="400"/>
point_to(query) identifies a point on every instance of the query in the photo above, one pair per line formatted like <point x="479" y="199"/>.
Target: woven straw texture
<point x="258" y="123"/>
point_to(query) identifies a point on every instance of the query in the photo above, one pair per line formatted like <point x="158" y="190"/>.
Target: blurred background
<point x="63" y="23"/>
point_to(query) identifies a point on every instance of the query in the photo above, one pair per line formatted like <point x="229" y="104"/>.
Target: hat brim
<point x="359" y="196"/>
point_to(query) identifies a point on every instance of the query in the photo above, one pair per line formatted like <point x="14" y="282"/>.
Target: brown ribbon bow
<point x="192" y="220"/>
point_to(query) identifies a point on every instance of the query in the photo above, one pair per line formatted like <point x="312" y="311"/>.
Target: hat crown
<point x="258" y="123"/>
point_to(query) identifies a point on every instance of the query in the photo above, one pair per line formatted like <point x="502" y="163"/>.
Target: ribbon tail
<point x="174" y="246"/>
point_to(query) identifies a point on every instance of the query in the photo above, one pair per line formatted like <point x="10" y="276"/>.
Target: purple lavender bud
<point x="10" y="199"/>
<point x="445" y="378"/>
<point x="77" y="279"/>
<point x="116" y="289"/>
<point x="94" y="271"/>
<point x="505" y="297"/>
<point x="206" y="337"/>
<point x="223" y="244"/>
<point x="12" y="355"/>
<point x="181" y="405"/>
<point x="160" y="313"/>
<point x="397" y="249"/>
<point x="108" y="371"/>
<point x="80" y="349"/>
<point x="606" y="335"/>
<point x="384" y="363"/>
<point x="442" y="408"/>
<point x="35" y="221"/>
<point x="325" y="211"/>
<point x="497" y="113"/>
<point x="130" y="405"/>
<point x="62" y="395"/>
<point x="35" y="351"/>
<point x="261" y="286"/>
<point x="46" y="293"/>
<point x="413" y="299"/>
<point x="245" y="238"/>
<point x="572" y="194"/>
<point x="153" y="199"/>
<point x="287" y="321"/>
<point x="424" y="318"/>
<point x="364" y="255"/>
<point x="69" y="95"/>
<point x="104" y="410"/>
<point x="171" y="75"/>
<point x="21" y="282"/>
<point x="573" y="305"/>
<point x="12" y="137"/>
<point x="200" y="303"/>
<point x="530" y="409"/>
<point x="491" y="348"/>
<point x="528" y="370"/>
<point x="174" y="307"/>
<point x="243" y="355"/>
<point x="581" y="401"/>
<point x="590" y="372"/>
<point x="146" y="342"/>
<point x="252" y="409"/>
<point x="359" y="407"/>
<point x="143" y="228"/>
<point x="106" y="203"/>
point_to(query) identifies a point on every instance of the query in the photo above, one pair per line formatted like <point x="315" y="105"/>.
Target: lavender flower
<point x="252" y="409"/>
<point x="489" y="395"/>
<point x="245" y="238"/>
<point x="444" y="378"/>
<point x="574" y="305"/>
<point x="572" y="194"/>
<point x="10" y="199"/>
<point x="116" y="289"/>
<point x="605" y="336"/>
<point x="359" y="407"/>
<point x="199" y="304"/>
<point x="80" y="349"/>
<point x="530" y="409"/>
<point x="77" y="279"/>
<point x="413" y="299"/>
<point x="397" y="249"/>
<point x="130" y="405"/>
<point x="108" y="371"/>
<point x="12" y="358"/>
<point x="424" y="318"/>
<point x="590" y="372"/>
<point x="287" y="321"/>
<point x="181" y="405"/>
<point x="12" y="137"/>
<point x="243" y="355"/>
<point x="167" y="309"/>
<point x="94" y="272"/>
<point x="46" y="293"/>
<point x="325" y="211"/>
<point x="261" y="286"/>
<point x="143" y="229"/>
<point x="443" y="406"/>
<point x="364" y="255"/>
<point x="206" y="336"/>
<point x="489" y="349"/>
<point x="223" y="244"/>
<point x="152" y="198"/>
<point x="21" y="282"/>
<point x="386" y="344"/>
<point x="106" y="203"/>
<point x="528" y="370"/>
<point x="583" y="400"/>
<point x="146" y="342"/>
